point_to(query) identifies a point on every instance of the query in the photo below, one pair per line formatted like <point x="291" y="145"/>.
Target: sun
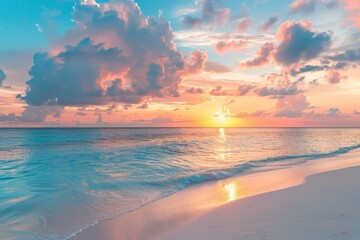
<point x="222" y="117"/>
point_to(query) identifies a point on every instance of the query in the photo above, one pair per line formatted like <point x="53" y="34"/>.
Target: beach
<point x="315" y="200"/>
<point x="179" y="120"/>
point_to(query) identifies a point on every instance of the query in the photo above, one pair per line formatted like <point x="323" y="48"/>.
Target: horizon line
<point x="157" y="127"/>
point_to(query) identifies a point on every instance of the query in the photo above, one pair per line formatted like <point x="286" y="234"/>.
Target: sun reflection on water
<point x="221" y="147"/>
<point x="222" y="133"/>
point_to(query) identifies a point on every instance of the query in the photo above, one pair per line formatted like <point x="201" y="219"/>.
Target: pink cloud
<point x="230" y="46"/>
<point x="263" y="56"/>
<point x="334" y="76"/>
<point x="299" y="43"/>
<point x="216" y="67"/>
<point x="193" y="90"/>
<point x="308" y="6"/>
<point x="242" y="90"/>
<point x="296" y="43"/>
<point x="33" y="114"/>
<point x="196" y="63"/>
<point x="305" y="6"/>
<point x="353" y="8"/>
<point x="269" y="23"/>
<point x="257" y="114"/>
<point x="243" y="24"/>
<point x="291" y="106"/>
<point x="125" y="58"/>
<point x="212" y="15"/>
<point x="277" y="86"/>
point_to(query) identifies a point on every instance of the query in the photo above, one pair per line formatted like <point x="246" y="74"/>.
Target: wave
<point x="247" y="167"/>
<point x="208" y="176"/>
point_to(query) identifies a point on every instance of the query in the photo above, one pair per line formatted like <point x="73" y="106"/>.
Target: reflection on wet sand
<point x="187" y="205"/>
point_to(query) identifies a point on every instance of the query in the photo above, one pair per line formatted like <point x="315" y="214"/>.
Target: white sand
<point x="270" y="205"/>
<point x="327" y="206"/>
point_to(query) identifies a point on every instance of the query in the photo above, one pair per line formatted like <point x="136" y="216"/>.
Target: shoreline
<point x="179" y="214"/>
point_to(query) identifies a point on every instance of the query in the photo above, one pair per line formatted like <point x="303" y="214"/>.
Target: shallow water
<point x="54" y="182"/>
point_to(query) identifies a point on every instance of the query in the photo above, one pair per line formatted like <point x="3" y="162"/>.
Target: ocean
<point x="55" y="182"/>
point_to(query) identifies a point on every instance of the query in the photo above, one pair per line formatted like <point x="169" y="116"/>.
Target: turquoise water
<point x="54" y="182"/>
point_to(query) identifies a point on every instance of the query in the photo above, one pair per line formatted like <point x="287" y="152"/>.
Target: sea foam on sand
<point x="316" y="200"/>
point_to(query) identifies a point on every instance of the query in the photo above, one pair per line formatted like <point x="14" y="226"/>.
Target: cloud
<point x="143" y="106"/>
<point x="263" y="56"/>
<point x="125" y="58"/>
<point x="314" y="83"/>
<point x="207" y="38"/>
<point x="298" y="42"/>
<point x="196" y="63"/>
<point x="356" y="112"/>
<point x="100" y="119"/>
<point x="212" y="15"/>
<point x="353" y="8"/>
<point x="185" y="11"/>
<point x="333" y="76"/>
<point x="298" y="106"/>
<point x="89" y="2"/>
<point x="80" y="113"/>
<point x="333" y="112"/>
<point x="303" y="6"/>
<point x="294" y="107"/>
<point x="191" y="22"/>
<point x="330" y="113"/>
<point x="193" y="90"/>
<point x="291" y="106"/>
<point x="257" y="114"/>
<point x="243" y="24"/>
<point x="269" y="23"/>
<point x="341" y="65"/>
<point x="308" y="68"/>
<point x="277" y="86"/>
<point x="330" y="4"/>
<point x="242" y="90"/>
<point x="230" y="46"/>
<point x="2" y="77"/>
<point x="333" y="73"/>
<point x="216" y="67"/>
<point x="33" y="114"/>
<point x="350" y="55"/>
<point x="315" y="68"/>
<point x="219" y="91"/>
<point x="277" y="92"/>
<point x="308" y="6"/>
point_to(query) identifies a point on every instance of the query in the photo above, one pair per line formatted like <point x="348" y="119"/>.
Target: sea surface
<point x="55" y="182"/>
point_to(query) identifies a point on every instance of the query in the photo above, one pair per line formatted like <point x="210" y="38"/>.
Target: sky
<point x="188" y="63"/>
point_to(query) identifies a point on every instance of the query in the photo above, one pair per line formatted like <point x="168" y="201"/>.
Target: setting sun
<point x="222" y="117"/>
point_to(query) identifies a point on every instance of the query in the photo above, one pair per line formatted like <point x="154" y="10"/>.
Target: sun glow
<point x="222" y="117"/>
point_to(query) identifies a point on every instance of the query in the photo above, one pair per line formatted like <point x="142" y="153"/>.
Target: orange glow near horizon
<point x="223" y="118"/>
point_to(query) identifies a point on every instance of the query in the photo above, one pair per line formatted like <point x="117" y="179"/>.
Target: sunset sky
<point x="186" y="63"/>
